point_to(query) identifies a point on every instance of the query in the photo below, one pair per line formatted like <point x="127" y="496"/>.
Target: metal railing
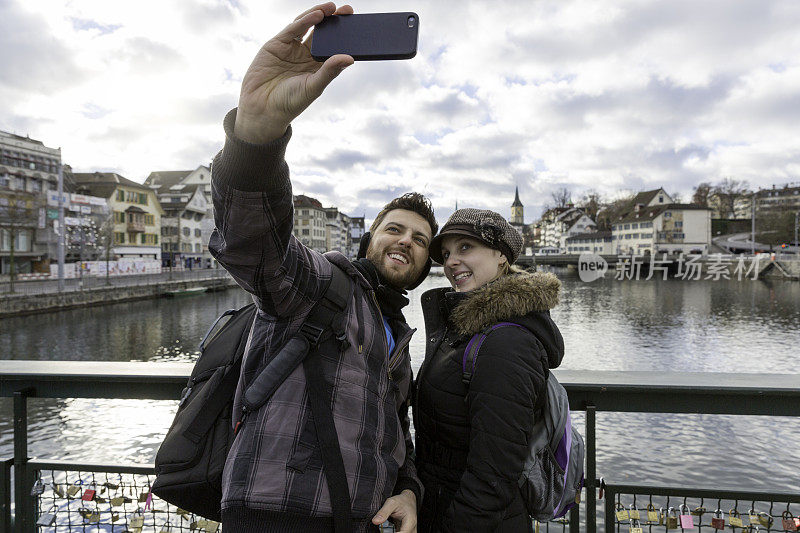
<point x="50" y="286"/>
<point x="592" y="392"/>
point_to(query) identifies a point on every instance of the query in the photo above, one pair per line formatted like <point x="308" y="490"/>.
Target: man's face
<point x="399" y="247"/>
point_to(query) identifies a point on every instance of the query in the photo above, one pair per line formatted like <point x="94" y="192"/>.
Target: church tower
<point x="517" y="218"/>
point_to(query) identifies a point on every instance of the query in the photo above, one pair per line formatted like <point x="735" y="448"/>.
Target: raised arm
<point x="252" y="194"/>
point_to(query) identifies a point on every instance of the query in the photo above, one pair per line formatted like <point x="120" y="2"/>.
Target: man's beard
<point x="396" y="279"/>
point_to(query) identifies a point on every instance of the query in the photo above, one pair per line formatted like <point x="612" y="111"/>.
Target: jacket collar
<point x="503" y="299"/>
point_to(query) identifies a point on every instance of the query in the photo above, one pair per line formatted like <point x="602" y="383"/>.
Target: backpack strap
<point x="321" y="321"/>
<point x="473" y="346"/>
<point x="305" y="347"/>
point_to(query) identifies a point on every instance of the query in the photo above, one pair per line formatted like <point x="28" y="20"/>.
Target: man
<point x="273" y="478"/>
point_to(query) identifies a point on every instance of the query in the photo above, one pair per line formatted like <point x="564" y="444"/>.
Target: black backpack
<point x="190" y="461"/>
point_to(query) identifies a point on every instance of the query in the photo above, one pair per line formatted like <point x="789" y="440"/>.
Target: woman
<point x="472" y="441"/>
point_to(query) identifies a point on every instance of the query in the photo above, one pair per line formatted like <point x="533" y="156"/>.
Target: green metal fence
<point x="592" y="392"/>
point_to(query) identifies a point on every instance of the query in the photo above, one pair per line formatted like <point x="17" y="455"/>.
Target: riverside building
<point x="28" y="169"/>
<point x="135" y="210"/>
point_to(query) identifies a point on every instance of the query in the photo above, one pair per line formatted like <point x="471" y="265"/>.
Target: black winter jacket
<point x="472" y="442"/>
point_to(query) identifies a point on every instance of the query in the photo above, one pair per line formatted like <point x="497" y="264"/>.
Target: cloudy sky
<point x="605" y="95"/>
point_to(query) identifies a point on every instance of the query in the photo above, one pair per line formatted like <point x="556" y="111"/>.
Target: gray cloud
<point x="343" y="160"/>
<point x="384" y="133"/>
<point x="204" y="110"/>
<point x="146" y="56"/>
<point x="31" y="60"/>
<point x="202" y="18"/>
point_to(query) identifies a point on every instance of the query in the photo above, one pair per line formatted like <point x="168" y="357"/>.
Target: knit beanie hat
<point x="487" y="226"/>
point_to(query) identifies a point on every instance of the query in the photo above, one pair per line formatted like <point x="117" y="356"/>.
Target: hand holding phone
<point x="367" y="37"/>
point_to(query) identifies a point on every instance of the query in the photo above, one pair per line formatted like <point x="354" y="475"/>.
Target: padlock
<point x="46" y="520"/>
<point x="699" y="511"/>
<point x="765" y="519"/>
<point x="787" y="520"/>
<point x="143" y="496"/>
<point x="38" y="488"/>
<point x="137" y="521"/>
<point x="633" y="512"/>
<point x="735" y="518"/>
<point x="116" y="502"/>
<point x="653" y="516"/>
<point x="687" y="522"/>
<point x="166" y="528"/>
<point x="672" y="518"/>
<point x="635" y="526"/>
<point x="212" y="526"/>
<point x="752" y="515"/>
<point x="94" y="517"/>
<point x="88" y="495"/>
<point x="57" y="490"/>
<point x="718" y="520"/>
<point x="85" y="513"/>
<point x="622" y="513"/>
<point x="662" y="516"/>
<point x="73" y="490"/>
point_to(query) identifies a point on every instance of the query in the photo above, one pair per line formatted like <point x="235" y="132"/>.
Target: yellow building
<point x="136" y="211"/>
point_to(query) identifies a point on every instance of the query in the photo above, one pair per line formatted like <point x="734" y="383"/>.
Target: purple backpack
<point x="552" y="479"/>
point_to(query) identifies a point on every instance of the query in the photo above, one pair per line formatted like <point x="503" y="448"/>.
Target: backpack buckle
<point x="312" y="333"/>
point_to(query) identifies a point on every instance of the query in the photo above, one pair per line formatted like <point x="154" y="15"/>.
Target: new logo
<point x="591" y="267"/>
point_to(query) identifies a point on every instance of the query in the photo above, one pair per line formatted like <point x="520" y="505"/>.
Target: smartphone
<point x="367" y="37"/>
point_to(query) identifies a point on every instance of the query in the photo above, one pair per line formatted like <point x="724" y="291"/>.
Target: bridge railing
<point x="589" y="391"/>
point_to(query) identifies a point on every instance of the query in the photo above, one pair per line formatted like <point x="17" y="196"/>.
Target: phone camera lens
<point x="412" y="21"/>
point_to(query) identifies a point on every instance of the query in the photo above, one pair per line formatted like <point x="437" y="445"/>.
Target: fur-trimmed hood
<point x="507" y="297"/>
<point x="524" y="298"/>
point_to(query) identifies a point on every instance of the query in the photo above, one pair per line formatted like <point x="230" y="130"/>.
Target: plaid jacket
<point x="274" y="463"/>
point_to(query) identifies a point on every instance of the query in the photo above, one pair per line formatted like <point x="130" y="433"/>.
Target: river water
<point x="656" y="325"/>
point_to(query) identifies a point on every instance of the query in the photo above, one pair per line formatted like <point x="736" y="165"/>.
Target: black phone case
<point x="367" y="37"/>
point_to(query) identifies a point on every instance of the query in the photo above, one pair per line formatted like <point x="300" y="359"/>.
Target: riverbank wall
<point x="28" y="304"/>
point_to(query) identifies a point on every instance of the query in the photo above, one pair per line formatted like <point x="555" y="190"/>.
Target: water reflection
<point x="703" y="326"/>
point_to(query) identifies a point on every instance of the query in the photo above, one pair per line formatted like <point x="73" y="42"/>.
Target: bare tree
<point x="561" y="197"/>
<point x="701" y="194"/>
<point x="105" y="241"/>
<point x="591" y="202"/>
<point x="18" y="213"/>
<point x="612" y="211"/>
<point x="728" y="191"/>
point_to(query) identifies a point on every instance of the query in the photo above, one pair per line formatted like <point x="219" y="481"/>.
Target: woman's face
<point x="468" y="263"/>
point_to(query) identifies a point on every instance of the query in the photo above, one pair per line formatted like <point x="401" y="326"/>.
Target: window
<point x="120" y="195"/>
<point x="119" y="238"/>
<point x="627" y="226"/>
<point x="187" y="232"/>
<point x="634" y="226"/>
<point x="677" y="235"/>
<point x="198" y="217"/>
<point x="197" y="247"/>
<point x="197" y="232"/>
<point x="119" y="218"/>
<point x="678" y="224"/>
<point x="667" y="214"/>
<point x="305" y="232"/>
<point x="149" y="220"/>
<point x="661" y="199"/>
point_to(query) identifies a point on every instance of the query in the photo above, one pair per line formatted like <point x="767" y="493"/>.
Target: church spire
<point x="516" y="203"/>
